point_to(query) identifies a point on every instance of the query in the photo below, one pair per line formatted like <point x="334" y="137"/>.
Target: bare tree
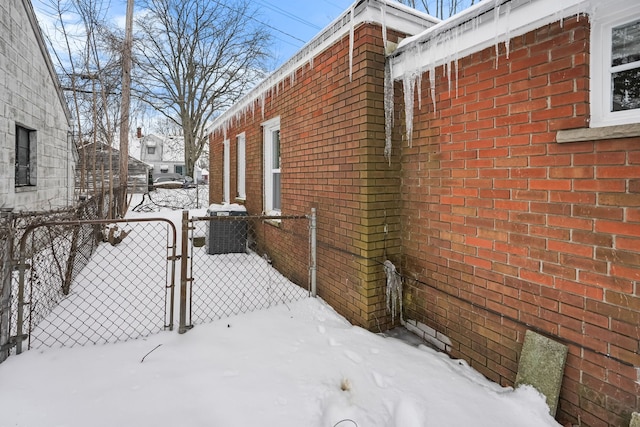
<point x="89" y="64"/>
<point x="194" y="59"/>
<point x="441" y="9"/>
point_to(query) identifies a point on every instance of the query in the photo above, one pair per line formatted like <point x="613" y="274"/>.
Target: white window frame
<point x="269" y="128"/>
<point x="226" y="173"/>
<point x="241" y="168"/>
<point x="604" y="21"/>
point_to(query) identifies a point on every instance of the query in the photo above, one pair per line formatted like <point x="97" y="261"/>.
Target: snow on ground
<point x="296" y="364"/>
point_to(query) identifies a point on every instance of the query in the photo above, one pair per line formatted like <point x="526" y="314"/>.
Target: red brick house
<point x="504" y="181"/>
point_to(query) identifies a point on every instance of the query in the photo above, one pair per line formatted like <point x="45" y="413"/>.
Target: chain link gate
<point x="237" y="263"/>
<point x="102" y="281"/>
<point x="91" y="282"/>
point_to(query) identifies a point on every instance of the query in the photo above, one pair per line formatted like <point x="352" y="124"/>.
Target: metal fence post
<point x="21" y="304"/>
<point x="5" y="287"/>
<point x="182" y="328"/>
<point x="313" y="267"/>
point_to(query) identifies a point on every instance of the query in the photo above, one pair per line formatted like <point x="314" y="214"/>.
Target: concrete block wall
<point x="504" y="229"/>
<point x="28" y="96"/>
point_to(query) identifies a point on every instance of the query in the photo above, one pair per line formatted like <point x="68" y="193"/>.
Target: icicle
<point x="383" y="13"/>
<point x="388" y="109"/>
<point x="457" y="75"/>
<point x="253" y="109"/>
<point x="408" y="83"/>
<point x="507" y="36"/>
<point x="394" y="289"/>
<point x="496" y="17"/>
<point x="560" y="17"/>
<point x="432" y="82"/>
<point x="263" y="98"/>
<point x="351" y="44"/>
<point x="419" y="89"/>
<point x="447" y="70"/>
<point x="272" y="95"/>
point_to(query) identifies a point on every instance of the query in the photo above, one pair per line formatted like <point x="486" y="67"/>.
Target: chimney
<point x="139" y="132"/>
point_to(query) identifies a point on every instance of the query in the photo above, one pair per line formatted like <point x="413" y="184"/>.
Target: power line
<point x="288" y="14"/>
<point x="263" y="23"/>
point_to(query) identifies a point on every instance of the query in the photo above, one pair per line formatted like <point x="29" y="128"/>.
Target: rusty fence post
<point x="184" y="257"/>
<point x="5" y="288"/>
<point x="313" y="250"/>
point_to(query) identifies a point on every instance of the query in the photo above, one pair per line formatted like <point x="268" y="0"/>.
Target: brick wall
<point x="504" y="230"/>
<point x="332" y="141"/>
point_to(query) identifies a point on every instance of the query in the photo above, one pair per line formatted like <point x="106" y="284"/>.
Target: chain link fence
<point x="13" y="226"/>
<point x="174" y="198"/>
<point x="240" y="263"/>
<point x="53" y="257"/>
<point x="124" y="290"/>
<point x="71" y="278"/>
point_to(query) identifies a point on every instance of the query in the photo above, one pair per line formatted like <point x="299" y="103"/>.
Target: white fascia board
<point x="397" y="17"/>
<point x="477" y="28"/>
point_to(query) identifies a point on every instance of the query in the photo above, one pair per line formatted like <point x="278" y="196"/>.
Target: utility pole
<point x="125" y="106"/>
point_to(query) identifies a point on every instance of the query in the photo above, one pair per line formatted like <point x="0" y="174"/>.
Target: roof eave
<point x="396" y="17"/>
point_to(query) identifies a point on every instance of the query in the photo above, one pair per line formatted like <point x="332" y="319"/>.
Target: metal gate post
<point x="182" y="328"/>
<point x="5" y="287"/>
<point x="21" y="304"/>
<point x="313" y="266"/>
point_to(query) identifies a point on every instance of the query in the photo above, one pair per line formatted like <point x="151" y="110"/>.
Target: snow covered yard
<point x="295" y="364"/>
<point x="292" y="365"/>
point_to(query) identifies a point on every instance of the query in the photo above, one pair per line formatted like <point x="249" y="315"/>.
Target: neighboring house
<point x="37" y="156"/>
<point x="97" y="160"/>
<point x="503" y="181"/>
<point x="165" y="154"/>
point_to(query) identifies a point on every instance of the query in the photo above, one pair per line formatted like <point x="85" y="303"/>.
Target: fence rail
<point x="12" y="228"/>
<point x="238" y="263"/>
<point x="77" y="282"/>
<point x="124" y="291"/>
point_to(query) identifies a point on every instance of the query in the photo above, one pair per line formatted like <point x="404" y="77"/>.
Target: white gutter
<point x="486" y="24"/>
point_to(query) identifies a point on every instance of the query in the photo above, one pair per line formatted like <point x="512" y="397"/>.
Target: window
<point x="615" y="66"/>
<point x="272" y="184"/>
<point x="179" y="169"/>
<point x="25" y="156"/>
<point x="151" y="150"/>
<point x="226" y="173"/>
<point x="625" y="66"/>
<point x="241" y="167"/>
